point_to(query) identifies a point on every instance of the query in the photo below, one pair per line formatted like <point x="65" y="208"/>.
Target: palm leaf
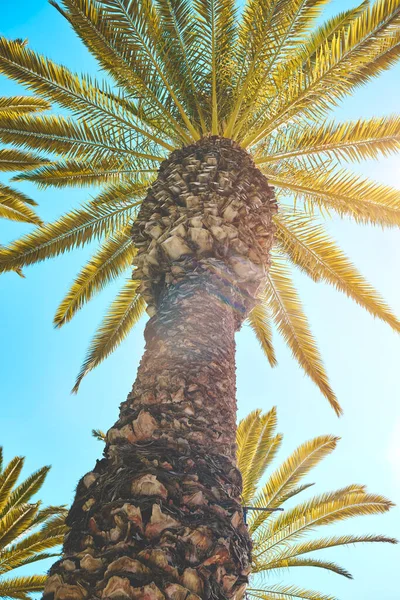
<point x="24" y="492"/>
<point x="81" y="174"/>
<point x="22" y="104"/>
<point x="74" y="230"/>
<point x="342" y="192"/>
<point x="281" y="296"/>
<point x="13" y="206"/>
<point x="307" y="244"/>
<point x="20" y="587"/>
<point x="8" y="478"/>
<point x="260" y="321"/>
<point x="122" y="315"/>
<point x="363" y="139"/>
<point x="114" y="257"/>
<point x="286" y="478"/>
<point x="303" y="562"/>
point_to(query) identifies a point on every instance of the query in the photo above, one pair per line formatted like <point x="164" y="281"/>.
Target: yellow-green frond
<point x="302" y="562"/>
<point x="281" y="297"/>
<point x="355" y="54"/>
<point x="16" y="160"/>
<point x="20" y="587"/>
<point x="13" y="206"/>
<point x="260" y="322"/>
<point x="17" y="105"/>
<point x="307" y="244"/>
<point x="339" y="191"/>
<point x="75" y="229"/>
<point x="122" y="315"/>
<point x="113" y="258"/>
<point x="83" y="174"/>
<point x="359" y="140"/>
<point x="325" y="510"/>
<point x="287" y="477"/>
<point x="8" y="478"/>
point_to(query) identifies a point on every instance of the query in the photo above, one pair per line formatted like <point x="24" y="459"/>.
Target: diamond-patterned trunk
<point x="160" y="515"/>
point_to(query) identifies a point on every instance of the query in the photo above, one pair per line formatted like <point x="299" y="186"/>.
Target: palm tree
<point x="278" y="538"/>
<point x="15" y="205"/>
<point x="27" y="530"/>
<point x="206" y="109"/>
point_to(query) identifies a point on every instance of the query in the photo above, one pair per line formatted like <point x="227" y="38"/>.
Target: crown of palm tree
<point x="27" y="531"/>
<point x="280" y="538"/>
<point x="267" y="77"/>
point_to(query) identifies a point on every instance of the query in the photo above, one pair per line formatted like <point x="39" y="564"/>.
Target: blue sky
<point x="40" y="419"/>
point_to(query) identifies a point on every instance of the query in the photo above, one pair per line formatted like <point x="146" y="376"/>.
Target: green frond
<point x="362" y="50"/>
<point x="280" y="592"/>
<point x="302" y="562"/>
<point x="180" y="53"/>
<point x="340" y="191"/>
<point x="122" y="315"/>
<point x="287" y="477"/>
<point x="15" y="522"/>
<point x="288" y="25"/>
<point x="8" y="478"/>
<point x="20" y="587"/>
<point x="13" y="206"/>
<point x="17" y="105"/>
<point x="356" y="141"/>
<point x="321" y="510"/>
<point x="295" y="550"/>
<point x="130" y="61"/>
<point x="24" y="492"/>
<point x="74" y="230"/>
<point x="87" y="98"/>
<point x="70" y="138"/>
<point x="16" y="160"/>
<point x="308" y="245"/>
<point x="281" y="297"/>
<point x="83" y="174"/>
<point x="260" y="322"/>
<point x="114" y="257"/>
<point x="257" y="447"/>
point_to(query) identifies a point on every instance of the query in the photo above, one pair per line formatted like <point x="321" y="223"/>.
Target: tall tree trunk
<point x="160" y="516"/>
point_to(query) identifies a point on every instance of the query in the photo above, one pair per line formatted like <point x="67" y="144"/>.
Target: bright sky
<point x="40" y="419"/>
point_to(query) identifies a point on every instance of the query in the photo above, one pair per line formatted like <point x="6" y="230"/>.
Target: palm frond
<point x="83" y="174"/>
<point x="87" y="98"/>
<point x="303" y="562"/>
<point x="13" y="206"/>
<point x="321" y="510"/>
<point x="8" y="478"/>
<point x="286" y="478"/>
<point x="122" y="315"/>
<point x="356" y="141"/>
<point x="355" y="54"/>
<point x="16" y="160"/>
<point x="20" y="587"/>
<point x="69" y="138"/>
<point x="342" y="192"/>
<point x="307" y="244"/>
<point x="24" y="492"/>
<point x="18" y="105"/>
<point x="74" y="230"/>
<point x="281" y="296"/>
<point x="260" y="322"/>
<point x="114" y="257"/>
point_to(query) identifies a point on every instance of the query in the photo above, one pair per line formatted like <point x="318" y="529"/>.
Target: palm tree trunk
<point x="160" y="516"/>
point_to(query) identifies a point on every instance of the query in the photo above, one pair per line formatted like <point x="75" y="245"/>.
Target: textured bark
<point x="160" y="516"/>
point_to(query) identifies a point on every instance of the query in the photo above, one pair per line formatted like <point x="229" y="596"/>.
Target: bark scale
<point x="160" y="517"/>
